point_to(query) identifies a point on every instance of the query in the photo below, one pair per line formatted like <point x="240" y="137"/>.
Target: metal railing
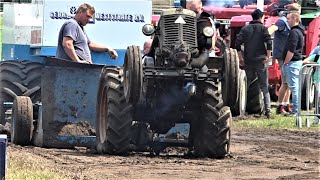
<point x="316" y="114"/>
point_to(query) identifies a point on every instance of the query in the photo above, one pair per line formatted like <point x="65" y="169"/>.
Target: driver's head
<point x="195" y="6"/>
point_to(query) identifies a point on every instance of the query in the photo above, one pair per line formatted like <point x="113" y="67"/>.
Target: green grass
<point x="22" y="168"/>
<point x="278" y="122"/>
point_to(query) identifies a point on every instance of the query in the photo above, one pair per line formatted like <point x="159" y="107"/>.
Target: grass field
<point x="277" y="122"/>
<point x="21" y="168"/>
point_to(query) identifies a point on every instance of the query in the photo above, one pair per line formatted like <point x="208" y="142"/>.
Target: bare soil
<point x="255" y="154"/>
<point x="81" y="128"/>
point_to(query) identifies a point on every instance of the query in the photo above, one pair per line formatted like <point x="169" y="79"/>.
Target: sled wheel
<point x="22" y="121"/>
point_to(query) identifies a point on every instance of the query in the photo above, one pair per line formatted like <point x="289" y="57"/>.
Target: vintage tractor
<point x="234" y="81"/>
<point x="176" y="82"/>
<point x="51" y="102"/>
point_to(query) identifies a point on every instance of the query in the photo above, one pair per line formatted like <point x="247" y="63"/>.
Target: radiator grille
<point x="171" y="30"/>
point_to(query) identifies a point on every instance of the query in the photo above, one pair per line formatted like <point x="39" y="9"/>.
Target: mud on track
<point x="255" y="154"/>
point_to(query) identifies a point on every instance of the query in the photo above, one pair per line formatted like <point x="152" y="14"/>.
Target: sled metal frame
<point x="317" y="103"/>
<point x="68" y="96"/>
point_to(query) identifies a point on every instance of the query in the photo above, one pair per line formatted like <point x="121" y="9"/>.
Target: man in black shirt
<point x="293" y="57"/>
<point x="256" y="55"/>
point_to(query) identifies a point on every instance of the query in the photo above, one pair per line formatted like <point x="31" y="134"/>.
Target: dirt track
<point x="256" y="154"/>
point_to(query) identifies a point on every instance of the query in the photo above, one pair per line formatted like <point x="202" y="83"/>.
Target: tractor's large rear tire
<point x="211" y="132"/>
<point x="255" y="103"/>
<point x="233" y="90"/>
<point x="22" y="121"/>
<point x="114" y="114"/>
<point x="231" y="80"/>
<point x="132" y="74"/>
<point x="307" y="76"/>
<point x="225" y="81"/>
<point x="19" y="78"/>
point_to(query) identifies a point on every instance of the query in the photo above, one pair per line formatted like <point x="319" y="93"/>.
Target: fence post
<point x="298" y="117"/>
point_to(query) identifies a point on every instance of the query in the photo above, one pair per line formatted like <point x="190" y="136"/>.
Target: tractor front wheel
<point x="114" y="114"/>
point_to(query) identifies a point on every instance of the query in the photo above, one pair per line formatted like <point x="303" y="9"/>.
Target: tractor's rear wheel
<point x="233" y="90"/>
<point x="225" y="80"/>
<point x="19" y="78"/>
<point x="22" y="121"/>
<point x="211" y="132"/>
<point x="255" y="103"/>
<point x="230" y="73"/>
<point x="231" y="80"/>
<point x="114" y="114"/>
<point x="132" y="74"/>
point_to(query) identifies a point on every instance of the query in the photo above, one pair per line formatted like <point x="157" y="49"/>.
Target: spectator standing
<point x="256" y="55"/>
<point x="293" y="57"/>
<point x="73" y="41"/>
<point x="281" y="30"/>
